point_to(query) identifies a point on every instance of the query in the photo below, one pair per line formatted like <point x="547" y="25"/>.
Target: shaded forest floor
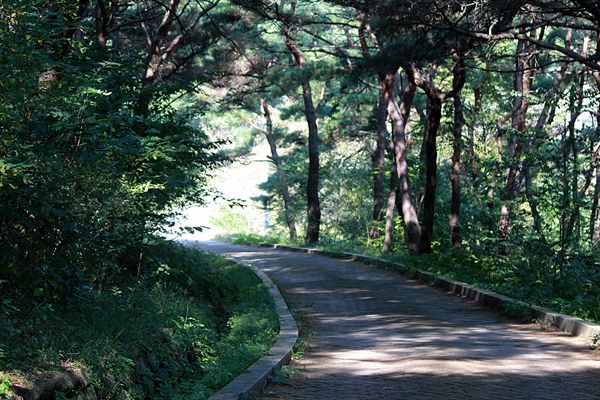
<point x="187" y="326"/>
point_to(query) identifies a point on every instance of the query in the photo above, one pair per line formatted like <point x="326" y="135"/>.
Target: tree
<point x="378" y="155"/>
<point x="86" y="179"/>
<point x="283" y="186"/>
<point x="313" y="220"/>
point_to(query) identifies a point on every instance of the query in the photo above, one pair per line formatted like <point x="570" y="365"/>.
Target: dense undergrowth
<point x="526" y="274"/>
<point x="189" y="324"/>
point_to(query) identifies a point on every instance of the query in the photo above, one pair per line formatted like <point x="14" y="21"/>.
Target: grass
<point x="287" y="374"/>
<point x="249" y="239"/>
<point x="194" y="322"/>
<point x="527" y="277"/>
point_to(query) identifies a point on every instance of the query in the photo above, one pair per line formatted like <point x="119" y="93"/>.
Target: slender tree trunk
<point x="522" y="86"/>
<point x="549" y="110"/>
<point x="312" y="185"/>
<point x="102" y="19"/>
<point x="399" y="116"/>
<point x="158" y="52"/>
<point x="155" y="55"/>
<point x="595" y="214"/>
<point x="283" y="186"/>
<point x="565" y="198"/>
<point x="471" y="161"/>
<point x="430" y="139"/>
<point x="537" y="219"/>
<point x="378" y="164"/>
<point x="455" y="231"/>
<point x="435" y="96"/>
<point x="546" y="117"/>
<point x="420" y="185"/>
<point x="378" y="156"/>
<point x="389" y="212"/>
<point x="577" y="103"/>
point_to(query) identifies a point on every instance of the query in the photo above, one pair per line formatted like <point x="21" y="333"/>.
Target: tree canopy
<point x="466" y="130"/>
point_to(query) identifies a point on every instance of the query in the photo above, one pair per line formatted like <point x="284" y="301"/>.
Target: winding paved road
<point x="380" y="335"/>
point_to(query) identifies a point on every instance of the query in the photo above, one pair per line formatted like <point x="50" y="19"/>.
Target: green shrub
<point x="188" y="325"/>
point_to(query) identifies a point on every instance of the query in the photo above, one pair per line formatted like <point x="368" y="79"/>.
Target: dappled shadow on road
<point x="379" y="334"/>
<point x="426" y="386"/>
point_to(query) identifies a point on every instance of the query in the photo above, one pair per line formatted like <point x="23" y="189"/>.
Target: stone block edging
<point x="254" y="379"/>
<point x="566" y="323"/>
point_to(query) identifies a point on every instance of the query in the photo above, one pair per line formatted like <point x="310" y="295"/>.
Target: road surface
<point x="380" y="335"/>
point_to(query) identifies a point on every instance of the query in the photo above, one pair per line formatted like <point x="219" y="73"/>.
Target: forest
<point x="458" y="136"/>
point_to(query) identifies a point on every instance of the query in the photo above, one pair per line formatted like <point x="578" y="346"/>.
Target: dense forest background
<point x="463" y="136"/>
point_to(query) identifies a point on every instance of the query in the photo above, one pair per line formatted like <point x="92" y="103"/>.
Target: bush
<point x="191" y="323"/>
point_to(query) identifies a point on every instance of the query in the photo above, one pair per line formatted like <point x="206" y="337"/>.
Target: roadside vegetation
<point x="186" y="327"/>
<point x="459" y="136"/>
<point x="521" y="277"/>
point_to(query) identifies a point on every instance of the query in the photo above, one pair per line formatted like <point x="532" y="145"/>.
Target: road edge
<point x="249" y="384"/>
<point x="565" y="323"/>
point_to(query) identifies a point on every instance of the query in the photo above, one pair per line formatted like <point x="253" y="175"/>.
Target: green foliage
<point x="5" y="386"/>
<point x="247" y="322"/>
<point x="518" y="311"/>
<point x="232" y="220"/>
<point x="191" y="325"/>
<point x="286" y="374"/>
<point x="95" y="159"/>
<point x="84" y="179"/>
<point x="550" y="258"/>
<point x="250" y="239"/>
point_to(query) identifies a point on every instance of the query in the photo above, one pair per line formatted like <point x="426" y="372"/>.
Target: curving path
<point x="380" y="335"/>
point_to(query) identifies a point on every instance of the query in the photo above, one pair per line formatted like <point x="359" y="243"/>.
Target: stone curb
<point x="568" y="324"/>
<point x="255" y="378"/>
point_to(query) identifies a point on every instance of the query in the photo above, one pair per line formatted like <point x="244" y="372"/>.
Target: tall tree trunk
<point x="575" y="110"/>
<point x="420" y="184"/>
<point x="571" y="195"/>
<point x="537" y="219"/>
<point x="102" y="20"/>
<point x="283" y="186"/>
<point x="436" y="97"/>
<point x="522" y="86"/>
<point x="595" y="214"/>
<point x="565" y="198"/>
<point x="156" y="54"/>
<point x="471" y="161"/>
<point x="455" y="231"/>
<point x="378" y="164"/>
<point x="546" y="117"/>
<point x="430" y="139"/>
<point x="391" y="204"/>
<point x="159" y="51"/>
<point x="378" y="156"/>
<point x="399" y="116"/>
<point x="312" y="185"/>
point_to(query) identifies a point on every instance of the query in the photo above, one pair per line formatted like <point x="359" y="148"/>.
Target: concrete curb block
<point x="568" y="324"/>
<point x="255" y="378"/>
